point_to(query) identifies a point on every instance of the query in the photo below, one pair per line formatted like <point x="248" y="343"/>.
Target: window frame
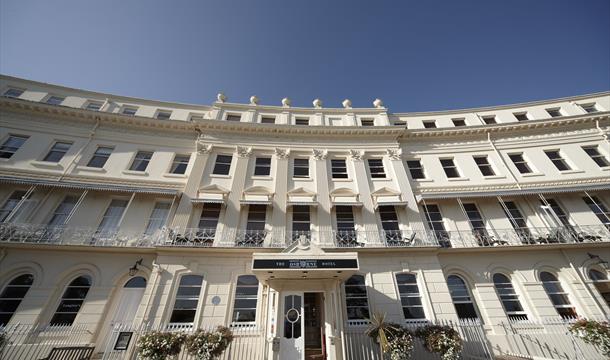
<point x="135" y="162"/>
<point x="554" y="112"/>
<point x="12" y="88"/>
<point x="63" y="296"/>
<point x="265" y="119"/>
<point x="162" y="220"/>
<point x="420" y="168"/>
<point x="19" y="299"/>
<point x="522" y="116"/>
<point x="422" y="305"/>
<point x="301" y="121"/>
<point x="592" y="106"/>
<point x="52" y="150"/>
<point x="366" y="122"/>
<point x="459" y="122"/>
<point x="176" y="297"/>
<point x="558" y="159"/>
<point x="50" y="97"/>
<point x="513" y="297"/>
<point x="356" y="321"/>
<point x="469" y="293"/>
<point x="88" y="103"/>
<point x="175" y="164"/>
<point x="523" y="162"/>
<point x="96" y="155"/>
<point x="236" y="297"/>
<point x="487" y="165"/>
<point x="335" y="174"/>
<point x="234" y="117"/>
<point x="489" y="119"/>
<point x="163" y="114"/>
<point x="262" y="166"/>
<point x="562" y="293"/>
<point x="374" y="170"/>
<point x="603" y="162"/>
<point x="4" y="148"/>
<point x="452" y="167"/>
<point x="129" y="108"/>
<point x="429" y="124"/>
<point x="294" y="167"/>
<point x="222" y="164"/>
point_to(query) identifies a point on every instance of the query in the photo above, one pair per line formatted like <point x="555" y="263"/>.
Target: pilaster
<point x="362" y="183"/>
<point x="323" y="196"/>
<point x="278" y="216"/>
<point x="233" y="206"/>
<point x="414" y="218"/>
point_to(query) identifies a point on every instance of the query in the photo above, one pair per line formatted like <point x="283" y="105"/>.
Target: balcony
<point x="231" y="238"/>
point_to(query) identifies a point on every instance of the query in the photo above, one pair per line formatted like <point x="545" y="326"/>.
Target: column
<point x="324" y="207"/>
<point x="402" y="180"/>
<point x="361" y="178"/>
<point x="185" y="207"/>
<point x="278" y="216"/>
<point x="233" y="206"/>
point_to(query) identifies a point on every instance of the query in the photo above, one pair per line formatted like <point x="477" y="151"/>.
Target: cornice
<point x="301" y="110"/>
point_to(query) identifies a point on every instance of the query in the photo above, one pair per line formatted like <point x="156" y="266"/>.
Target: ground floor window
<point x="12" y="295"/>
<point x="460" y="295"/>
<point x="410" y="298"/>
<point x="600" y="280"/>
<point x="187" y="299"/>
<point x="72" y="301"/>
<point x="559" y="297"/>
<point x="356" y="299"/>
<point x="509" y="298"/>
<point x="246" y="292"/>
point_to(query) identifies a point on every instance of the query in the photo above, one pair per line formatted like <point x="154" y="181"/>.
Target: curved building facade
<point x="294" y="225"/>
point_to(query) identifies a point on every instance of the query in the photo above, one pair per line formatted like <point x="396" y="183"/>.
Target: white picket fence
<point x="359" y="346"/>
<point x="30" y="342"/>
<point x="550" y="339"/>
<point x="248" y="342"/>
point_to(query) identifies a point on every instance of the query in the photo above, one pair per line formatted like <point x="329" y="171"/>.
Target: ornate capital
<point x="320" y="154"/>
<point x="356" y="154"/>
<point x="203" y="148"/>
<point x="394" y="154"/>
<point x="282" y="153"/>
<point x="243" y="151"/>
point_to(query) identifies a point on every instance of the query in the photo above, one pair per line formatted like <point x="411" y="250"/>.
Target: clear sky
<point x="415" y="55"/>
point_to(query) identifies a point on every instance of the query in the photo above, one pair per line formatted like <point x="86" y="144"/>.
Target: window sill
<point x="342" y="180"/>
<point x="424" y="180"/>
<point x="491" y="177"/>
<point x="179" y="176"/>
<point x="532" y="174"/>
<point x="47" y="164"/>
<point x="219" y="176"/>
<point x="133" y="172"/>
<point x="381" y="179"/>
<point x="573" y="171"/>
<point x="458" y="179"/>
<point x="302" y="179"/>
<point x="607" y="168"/>
<point x="262" y="177"/>
<point x="92" y="169"/>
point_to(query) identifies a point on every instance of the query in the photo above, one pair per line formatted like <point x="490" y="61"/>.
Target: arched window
<point x="558" y="296"/>
<point x="410" y="298"/>
<point x="72" y="301"/>
<point x="356" y="300"/>
<point x="12" y="295"/>
<point x="509" y="298"/>
<point x="461" y="298"/>
<point x="187" y="299"/>
<point x="246" y="291"/>
<point x="600" y="280"/>
<point x="135" y="282"/>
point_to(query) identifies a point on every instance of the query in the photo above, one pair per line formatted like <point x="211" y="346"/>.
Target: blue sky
<point x="416" y="56"/>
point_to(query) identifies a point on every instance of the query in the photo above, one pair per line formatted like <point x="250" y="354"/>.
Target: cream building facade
<point x="299" y="222"/>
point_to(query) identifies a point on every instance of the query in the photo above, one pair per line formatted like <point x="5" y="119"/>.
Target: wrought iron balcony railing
<point x="194" y="237"/>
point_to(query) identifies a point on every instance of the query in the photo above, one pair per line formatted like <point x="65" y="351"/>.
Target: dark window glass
<point x="93" y="106"/>
<point x="430" y="124"/>
<point x="268" y="120"/>
<point x="99" y="158"/>
<point x="232" y="117"/>
<point x="599" y="209"/>
<point x="71" y="301"/>
<point x="517" y="220"/>
<point x="489" y="120"/>
<point x="389" y="219"/>
<point x="458" y="122"/>
<point x="558" y="161"/>
<point x="508" y="297"/>
<point x="368" y="122"/>
<point x="57" y="152"/>
<point x="222" y="165"/>
<point x="180" y="164"/>
<point x="356" y="300"/>
<point x="61" y="213"/>
<point x="164" y="115"/>
<point x="209" y="217"/>
<point x="301" y="168"/>
<point x="338" y="168"/>
<point x="257" y="216"/>
<point x="521" y="116"/>
<point x="558" y="296"/>
<point x="301" y="219"/>
<point x="376" y="168"/>
<point x="301" y="121"/>
<point x="10" y="204"/>
<point x="262" y="166"/>
<point x="246" y="292"/>
<point x="12" y="295"/>
<point x="11" y="145"/>
<point x="140" y="162"/>
<point x="520" y="163"/>
<point x="410" y="298"/>
<point x="450" y="169"/>
<point x="187" y="299"/>
<point x="131" y="111"/>
<point x="460" y="295"/>
<point x="484" y="165"/>
<point x="416" y="169"/>
<point x="596" y="156"/>
<point x="55" y="100"/>
<point x="554" y="112"/>
<point x="590" y="108"/>
<point x="13" y="93"/>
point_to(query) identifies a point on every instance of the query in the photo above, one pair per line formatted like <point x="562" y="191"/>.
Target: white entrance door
<point x="127" y="305"/>
<point x="292" y="337"/>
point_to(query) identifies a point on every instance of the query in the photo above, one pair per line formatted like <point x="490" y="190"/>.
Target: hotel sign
<point x="298" y="264"/>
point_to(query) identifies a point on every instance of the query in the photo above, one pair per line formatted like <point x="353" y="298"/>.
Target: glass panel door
<point x="292" y="344"/>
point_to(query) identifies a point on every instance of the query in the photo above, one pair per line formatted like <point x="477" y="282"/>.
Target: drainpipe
<point x="79" y="152"/>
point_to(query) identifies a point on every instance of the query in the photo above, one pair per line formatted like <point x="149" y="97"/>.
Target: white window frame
<point x="258" y="296"/>
<point x="200" y="304"/>
<point x="418" y="281"/>
<point x="163" y="111"/>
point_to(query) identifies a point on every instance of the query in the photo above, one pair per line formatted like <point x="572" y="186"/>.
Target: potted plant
<point x="159" y="345"/>
<point x="443" y="340"/>
<point x="208" y="345"/>
<point x="392" y="338"/>
<point x="592" y="332"/>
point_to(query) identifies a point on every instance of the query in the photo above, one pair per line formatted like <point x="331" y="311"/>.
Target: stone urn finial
<point x="378" y="103"/>
<point x="254" y="100"/>
<point x="347" y="103"/>
<point x="286" y="102"/>
<point x="317" y="103"/>
<point x="221" y="97"/>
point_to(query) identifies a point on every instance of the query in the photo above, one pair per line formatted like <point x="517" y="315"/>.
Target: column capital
<point x="243" y="151"/>
<point x="320" y="154"/>
<point x="356" y="154"/>
<point x="282" y="153"/>
<point x="394" y="154"/>
<point x="203" y="148"/>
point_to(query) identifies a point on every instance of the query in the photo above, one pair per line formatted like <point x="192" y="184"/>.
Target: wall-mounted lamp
<point x="601" y="262"/>
<point x="134" y="269"/>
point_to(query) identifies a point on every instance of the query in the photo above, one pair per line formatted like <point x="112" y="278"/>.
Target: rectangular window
<point x="450" y="169"/>
<point x="187" y="299"/>
<point x="55" y="100"/>
<point x="209" y="217"/>
<point x="93" y="106"/>
<point x="163" y="115"/>
<point x="594" y="154"/>
<point x="12" y="144"/>
<point x="13" y="93"/>
<point x="301" y="220"/>
<point x="10" y="204"/>
<point x="429" y="124"/>
<point x="555" y="112"/>
<point x="367" y="122"/>
<point x="196" y="117"/>
<point x="222" y="165"/>
<point x="262" y="166"/>
<point x="477" y="224"/>
<point x="112" y="217"/>
<point x="410" y="299"/>
<point x="99" y="158"/>
<point x="180" y="164"/>
<point x="338" y="168"/>
<point x="458" y="122"/>
<point x="356" y="299"/>
<point x="129" y="110"/>
<point x="157" y="217"/>
<point x="558" y="161"/>
<point x="416" y="169"/>
<point x="376" y="168"/>
<point x="246" y="295"/>
<point x="434" y="219"/>
<point x="140" y="162"/>
<point x="556" y="213"/>
<point x="57" y="152"/>
<point x="300" y="168"/>
<point x="345" y="218"/>
<point x="590" y="108"/>
<point x="400" y="123"/>
<point x="484" y="165"/>
<point x="520" y="163"/>
<point x="61" y="213"/>
<point x="389" y="218"/>
<point x="517" y="220"/>
<point x="490" y="120"/>
<point x="521" y="116"/>
<point x="233" y="117"/>
<point x="257" y="216"/>
<point x="268" y="120"/>
<point x="599" y="209"/>
<point x="301" y="121"/>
